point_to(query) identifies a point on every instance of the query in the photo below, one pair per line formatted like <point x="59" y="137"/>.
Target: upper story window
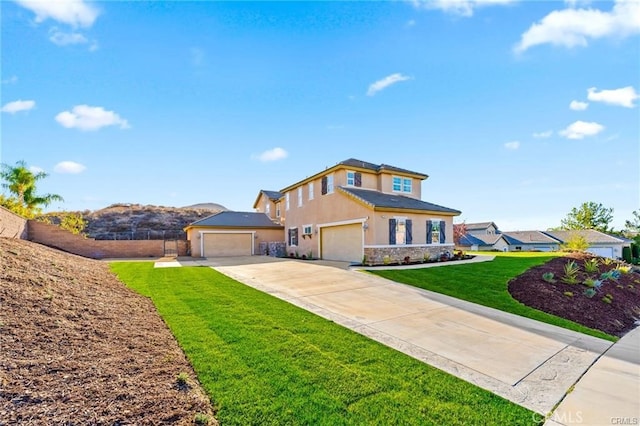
<point x="278" y="210"/>
<point x="267" y="207"/>
<point x="351" y="178"/>
<point x="401" y="184"/>
<point x="310" y="190"/>
<point x="299" y="196"/>
<point x="286" y="201"/>
<point x="327" y="184"/>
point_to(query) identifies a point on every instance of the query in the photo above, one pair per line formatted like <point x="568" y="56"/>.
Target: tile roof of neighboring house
<point x="470" y="240"/>
<point x="401" y="202"/>
<point x="529" y="237"/>
<point x="479" y="225"/>
<point x="353" y="162"/>
<point x="590" y="235"/>
<point x="237" y="220"/>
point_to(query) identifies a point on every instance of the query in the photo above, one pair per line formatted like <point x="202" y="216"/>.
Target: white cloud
<point x="386" y="82"/>
<point x="85" y="117"/>
<point x="63" y="39"/>
<point x="69" y="167"/>
<point x="574" y="27"/>
<point x="17" y="106"/>
<point x="543" y="135"/>
<point x="35" y="169"/>
<point x="11" y="80"/>
<point x="274" y="154"/>
<point x="513" y="145"/>
<point x="76" y="13"/>
<point x="578" y="106"/>
<point x="458" y="7"/>
<point x="581" y="129"/>
<point x="622" y="97"/>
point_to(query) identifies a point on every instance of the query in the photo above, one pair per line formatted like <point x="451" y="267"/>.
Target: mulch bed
<point x="616" y="318"/>
<point x="78" y="347"/>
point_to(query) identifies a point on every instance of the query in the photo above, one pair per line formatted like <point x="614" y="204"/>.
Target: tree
<point x="459" y="230"/>
<point x="21" y="183"/>
<point x="575" y="243"/>
<point x="589" y="215"/>
<point x="633" y="225"/>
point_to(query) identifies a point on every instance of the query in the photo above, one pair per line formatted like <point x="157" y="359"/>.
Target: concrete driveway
<point x="530" y="363"/>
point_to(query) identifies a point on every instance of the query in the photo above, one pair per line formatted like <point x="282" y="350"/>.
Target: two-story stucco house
<point x="357" y="210"/>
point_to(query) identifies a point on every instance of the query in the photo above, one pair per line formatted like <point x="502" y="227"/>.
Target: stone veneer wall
<point x="396" y="254"/>
<point x="12" y="225"/>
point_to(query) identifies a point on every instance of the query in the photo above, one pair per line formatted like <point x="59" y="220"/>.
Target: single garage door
<point x="227" y="244"/>
<point x="601" y="251"/>
<point x="343" y="242"/>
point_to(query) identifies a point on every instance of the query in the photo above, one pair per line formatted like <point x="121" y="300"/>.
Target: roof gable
<point x="271" y="195"/>
<point x="591" y="236"/>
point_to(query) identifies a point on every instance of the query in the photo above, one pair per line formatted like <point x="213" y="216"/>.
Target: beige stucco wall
<point x="379" y="226"/>
<point x="261" y="206"/>
<point x="261" y="235"/>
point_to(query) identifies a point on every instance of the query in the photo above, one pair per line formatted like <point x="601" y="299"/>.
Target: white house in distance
<point x="485" y="236"/>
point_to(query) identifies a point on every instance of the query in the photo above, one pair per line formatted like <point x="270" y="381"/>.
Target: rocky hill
<point x="136" y="221"/>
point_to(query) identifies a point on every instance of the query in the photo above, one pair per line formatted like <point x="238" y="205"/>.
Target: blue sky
<point x="517" y="110"/>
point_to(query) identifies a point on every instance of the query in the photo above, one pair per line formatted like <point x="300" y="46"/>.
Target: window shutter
<point x="295" y="235"/>
<point x="324" y="185"/>
<point x="392" y="231"/>
<point x="429" y="232"/>
<point x="358" y="179"/>
<point x="408" y="234"/>
<point x="289" y="239"/>
<point x="443" y="237"/>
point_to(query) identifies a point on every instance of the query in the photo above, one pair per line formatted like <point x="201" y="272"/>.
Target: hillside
<point x="78" y="347"/>
<point x="136" y="221"/>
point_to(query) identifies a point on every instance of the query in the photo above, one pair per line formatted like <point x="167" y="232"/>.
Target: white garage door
<point x="601" y="251"/>
<point x="343" y="242"/>
<point x="227" y="244"/>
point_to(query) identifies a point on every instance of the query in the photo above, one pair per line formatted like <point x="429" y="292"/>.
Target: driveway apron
<point x="525" y="361"/>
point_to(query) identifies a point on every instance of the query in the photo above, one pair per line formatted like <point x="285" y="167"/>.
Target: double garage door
<point x="601" y="251"/>
<point x="227" y="244"/>
<point x="343" y="242"/>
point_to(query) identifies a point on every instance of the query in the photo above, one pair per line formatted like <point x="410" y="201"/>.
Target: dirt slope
<point x="78" y="347"/>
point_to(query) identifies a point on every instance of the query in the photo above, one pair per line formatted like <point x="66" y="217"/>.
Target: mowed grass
<point x="486" y="283"/>
<point x="266" y="362"/>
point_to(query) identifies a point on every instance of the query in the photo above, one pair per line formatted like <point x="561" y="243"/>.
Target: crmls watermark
<point x="625" y="420"/>
<point x="565" y="417"/>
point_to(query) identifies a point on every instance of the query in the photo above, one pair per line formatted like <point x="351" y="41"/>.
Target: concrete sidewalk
<point x="609" y="392"/>
<point x="525" y="361"/>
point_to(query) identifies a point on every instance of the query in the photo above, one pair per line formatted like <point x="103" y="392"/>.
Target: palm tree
<point x="21" y="182"/>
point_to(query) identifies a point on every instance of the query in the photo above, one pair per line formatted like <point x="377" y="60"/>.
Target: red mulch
<point x="78" y="347"/>
<point x="616" y="318"/>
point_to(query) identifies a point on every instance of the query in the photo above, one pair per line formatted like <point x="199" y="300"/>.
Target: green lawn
<point x="264" y="361"/>
<point x="486" y="284"/>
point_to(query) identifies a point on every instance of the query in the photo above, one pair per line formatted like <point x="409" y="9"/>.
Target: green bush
<point x="635" y="250"/>
<point x="626" y="254"/>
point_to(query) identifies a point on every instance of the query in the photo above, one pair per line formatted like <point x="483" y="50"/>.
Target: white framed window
<point x="329" y="184"/>
<point x="286" y="201"/>
<point x="397" y="184"/>
<point x="307" y="229"/>
<point x="267" y="207"/>
<point x="310" y="190"/>
<point x="351" y="178"/>
<point x="402" y="184"/>
<point x="406" y="185"/>
<point x="434" y="231"/>
<point x="277" y="209"/>
<point x="401" y="230"/>
<point x="293" y="236"/>
<point x="299" y="196"/>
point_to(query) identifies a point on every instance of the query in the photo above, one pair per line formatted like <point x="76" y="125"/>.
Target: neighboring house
<point x="357" y="209"/>
<point x="531" y="241"/>
<point x="486" y="236"/>
<point x="600" y="244"/>
<point x="230" y="233"/>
